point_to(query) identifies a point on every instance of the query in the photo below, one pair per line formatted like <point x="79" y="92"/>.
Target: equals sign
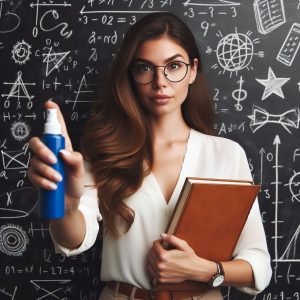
<point x="224" y="110"/>
<point x="121" y="20"/>
<point x="48" y="86"/>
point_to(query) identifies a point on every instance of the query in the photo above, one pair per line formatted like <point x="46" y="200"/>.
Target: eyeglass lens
<point x="144" y="73"/>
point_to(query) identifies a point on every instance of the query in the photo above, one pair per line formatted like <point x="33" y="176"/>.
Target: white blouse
<point x="124" y="259"/>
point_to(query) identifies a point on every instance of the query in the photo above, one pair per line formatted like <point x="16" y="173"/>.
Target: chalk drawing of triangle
<point x="54" y="60"/>
<point x="18" y="89"/>
<point x="291" y="252"/>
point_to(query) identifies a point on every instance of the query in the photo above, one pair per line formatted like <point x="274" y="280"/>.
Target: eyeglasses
<point x="144" y="73"/>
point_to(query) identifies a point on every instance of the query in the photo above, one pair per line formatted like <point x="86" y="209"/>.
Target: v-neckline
<point x="181" y="177"/>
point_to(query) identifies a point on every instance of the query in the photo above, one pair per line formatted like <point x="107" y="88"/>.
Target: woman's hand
<point x="178" y="264"/>
<point x="42" y="175"/>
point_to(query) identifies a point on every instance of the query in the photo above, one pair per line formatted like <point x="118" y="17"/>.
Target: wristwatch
<point x="218" y="278"/>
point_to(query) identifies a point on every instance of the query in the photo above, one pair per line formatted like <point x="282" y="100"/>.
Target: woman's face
<point x="162" y="96"/>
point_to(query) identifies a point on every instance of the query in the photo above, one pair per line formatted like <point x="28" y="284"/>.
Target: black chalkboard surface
<point x="60" y="49"/>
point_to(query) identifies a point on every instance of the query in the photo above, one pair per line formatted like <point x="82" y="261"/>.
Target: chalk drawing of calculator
<point x="290" y="46"/>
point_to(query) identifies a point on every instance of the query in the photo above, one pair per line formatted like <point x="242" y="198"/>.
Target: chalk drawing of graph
<point x="292" y="251"/>
<point x="290" y="254"/>
<point x="83" y="89"/>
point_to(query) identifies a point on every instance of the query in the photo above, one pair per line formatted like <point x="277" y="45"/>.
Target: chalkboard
<point x="61" y="50"/>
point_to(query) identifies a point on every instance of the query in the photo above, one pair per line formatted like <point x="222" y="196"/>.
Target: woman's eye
<point x="143" y="68"/>
<point x="173" y="66"/>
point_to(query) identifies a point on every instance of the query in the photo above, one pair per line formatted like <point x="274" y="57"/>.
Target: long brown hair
<point x="117" y="140"/>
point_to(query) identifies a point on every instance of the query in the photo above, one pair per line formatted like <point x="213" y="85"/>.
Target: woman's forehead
<point x="161" y="49"/>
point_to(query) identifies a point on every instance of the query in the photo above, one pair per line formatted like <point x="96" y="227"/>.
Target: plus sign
<point x="56" y="83"/>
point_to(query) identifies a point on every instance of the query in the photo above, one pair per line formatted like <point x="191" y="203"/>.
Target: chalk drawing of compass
<point x="235" y="52"/>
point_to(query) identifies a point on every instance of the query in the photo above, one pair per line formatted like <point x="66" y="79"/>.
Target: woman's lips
<point x="161" y="99"/>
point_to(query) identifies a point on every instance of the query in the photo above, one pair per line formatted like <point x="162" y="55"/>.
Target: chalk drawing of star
<point x="272" y="85"/>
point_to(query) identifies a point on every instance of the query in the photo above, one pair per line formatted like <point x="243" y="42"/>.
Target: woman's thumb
<point x="174" y="241"/>
<point x="73" y="160"/>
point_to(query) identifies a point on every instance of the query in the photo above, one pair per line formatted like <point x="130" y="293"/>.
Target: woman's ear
<point x="193" y="69"/>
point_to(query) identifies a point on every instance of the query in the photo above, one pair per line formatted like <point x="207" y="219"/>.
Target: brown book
<point x="210" y="215"/>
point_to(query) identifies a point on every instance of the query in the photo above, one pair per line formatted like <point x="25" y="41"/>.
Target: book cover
<point x="210" y="215"/>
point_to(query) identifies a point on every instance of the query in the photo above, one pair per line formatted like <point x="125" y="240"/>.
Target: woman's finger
<point x="40" y="181"/>
<point x="176" y="242"/>
<point x="73" y="161"/>
<point x="44" y="170"/>
<point x="42" y="151"/>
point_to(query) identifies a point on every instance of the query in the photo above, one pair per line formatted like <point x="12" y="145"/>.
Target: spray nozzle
<point x="52" y="125"/>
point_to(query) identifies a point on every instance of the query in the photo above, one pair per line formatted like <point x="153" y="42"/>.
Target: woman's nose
<point x="159" y="76"/>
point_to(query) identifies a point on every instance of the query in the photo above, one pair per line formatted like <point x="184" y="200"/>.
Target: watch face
<point x="218" y="280"/>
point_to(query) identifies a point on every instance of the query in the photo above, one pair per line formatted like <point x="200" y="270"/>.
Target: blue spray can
<point x="52" y="204"/>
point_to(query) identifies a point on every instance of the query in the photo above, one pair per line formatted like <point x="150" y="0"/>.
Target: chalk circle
<point x="13" y="240"/>
<point x="235" y="51"/>
<point x="19" y="130"/>
<point x="294" y="186"/>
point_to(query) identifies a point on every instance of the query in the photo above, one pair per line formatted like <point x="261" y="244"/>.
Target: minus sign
<point x="202" y="13"/>
<point x="222" y="13"/>
<point x="96" y="19"/>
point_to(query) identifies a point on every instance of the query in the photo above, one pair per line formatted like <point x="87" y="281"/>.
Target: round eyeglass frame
<point x="165" y="66"/>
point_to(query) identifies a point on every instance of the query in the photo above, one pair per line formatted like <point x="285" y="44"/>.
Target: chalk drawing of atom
<point x="235" y="52"/>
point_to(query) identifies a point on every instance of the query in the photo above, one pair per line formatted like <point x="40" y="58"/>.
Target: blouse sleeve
<point x="89" y="207"/>
<point x="252" y="245"/>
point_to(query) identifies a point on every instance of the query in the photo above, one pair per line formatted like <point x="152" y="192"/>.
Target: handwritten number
<point x="205" y="26"/>
<point x="234" y="13"/>
<point x="216" y="96"/>
<point x="133" y="20"/>
<point x="190" y="13"/>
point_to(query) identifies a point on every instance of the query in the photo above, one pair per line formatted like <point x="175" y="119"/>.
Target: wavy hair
<point x="117" y="139"/>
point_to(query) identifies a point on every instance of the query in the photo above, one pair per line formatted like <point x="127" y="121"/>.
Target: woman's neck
<point x="169" y="128"/>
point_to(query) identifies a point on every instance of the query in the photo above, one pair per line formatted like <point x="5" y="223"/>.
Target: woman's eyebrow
<point x="138" y="59"/>
<point x="174" y="57"/>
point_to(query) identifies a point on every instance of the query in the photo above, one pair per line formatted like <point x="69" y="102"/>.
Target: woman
<point x="149" y="131"/>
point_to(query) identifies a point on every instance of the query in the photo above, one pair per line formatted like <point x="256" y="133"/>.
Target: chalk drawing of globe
<point x="235" y="52"/>
<point x="294" y="186"/>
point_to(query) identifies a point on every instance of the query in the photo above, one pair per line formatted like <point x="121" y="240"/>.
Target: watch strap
<point x="220" y="268"/>
<point x="220" y="271"/>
